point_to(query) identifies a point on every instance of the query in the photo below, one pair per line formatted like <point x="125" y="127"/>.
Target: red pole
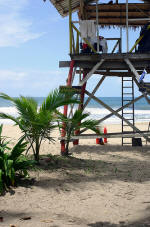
<point x="63" y="132"/>
<point x="83" y="91"/>
<point x="105" y="132"/>
<point x="76" y="142"/>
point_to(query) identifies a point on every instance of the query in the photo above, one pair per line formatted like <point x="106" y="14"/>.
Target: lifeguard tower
<point x="128" y="66"/>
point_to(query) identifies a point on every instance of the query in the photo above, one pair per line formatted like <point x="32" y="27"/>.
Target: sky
<point x="33" y="39"/>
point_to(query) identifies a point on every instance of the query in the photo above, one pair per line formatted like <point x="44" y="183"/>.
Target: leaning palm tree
<point x="37" y="123"/>
<point x="75" y="123"/>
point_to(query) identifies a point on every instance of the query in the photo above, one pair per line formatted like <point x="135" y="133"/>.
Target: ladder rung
<point x="127" y="97"/>
<point x="129" y="119"/>
<point x="127" y="143"/>
<point x="127" y="93"/>
<point x="127" y="136"/>
<point x="127" y="113"/>
<point x="125" y="100"/>
<point x="126" y="126"/>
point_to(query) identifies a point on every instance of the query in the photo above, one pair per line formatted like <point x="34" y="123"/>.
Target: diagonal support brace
<point x="91" y="72"/>
<point x="118" y="110"/>
<point x="137" y="76"/>
<point x="117" y="114"/>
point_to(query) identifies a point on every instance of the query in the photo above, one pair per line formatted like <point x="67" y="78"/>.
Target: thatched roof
<point x="62" y="6"/>
<point x="115" y="14"/>
<point x="109" y="14"/>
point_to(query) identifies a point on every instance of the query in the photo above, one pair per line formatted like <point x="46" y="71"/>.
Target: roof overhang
<point x="62" y="6"/>
<point x="109" y="14"/>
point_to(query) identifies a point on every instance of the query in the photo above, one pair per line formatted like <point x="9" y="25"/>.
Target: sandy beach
<point x="97" y="186"/>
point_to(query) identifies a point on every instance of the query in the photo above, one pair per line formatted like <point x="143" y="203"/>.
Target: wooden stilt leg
<point x="63" y="132"/>
<point x="76" y="142"/>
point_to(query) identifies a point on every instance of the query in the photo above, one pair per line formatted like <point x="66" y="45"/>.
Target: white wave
<point x="95" y="113"/>
<point x="8" y="110"/>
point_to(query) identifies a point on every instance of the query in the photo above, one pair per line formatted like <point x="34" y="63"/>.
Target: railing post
<point x="77" y="44"/>
<point x="70" y="26"/>
<point x="119" y="45"/>
<point x="127" y="25"/>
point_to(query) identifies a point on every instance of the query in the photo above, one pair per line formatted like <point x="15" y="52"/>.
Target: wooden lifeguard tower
<point x="128" y="66"/>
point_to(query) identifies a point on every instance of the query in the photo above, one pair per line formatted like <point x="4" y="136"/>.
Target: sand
<point x="97" y="186"/>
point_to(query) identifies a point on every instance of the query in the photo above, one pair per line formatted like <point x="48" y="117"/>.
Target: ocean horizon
<point x="142" y="109"/>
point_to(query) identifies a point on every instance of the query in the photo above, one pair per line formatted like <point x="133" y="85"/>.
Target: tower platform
<point x="115" y="61"/>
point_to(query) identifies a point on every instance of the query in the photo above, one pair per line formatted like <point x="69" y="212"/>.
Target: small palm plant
<point x="76" y="122"/>
<point x="37" y="123"/>
<point x="12" y="162"/>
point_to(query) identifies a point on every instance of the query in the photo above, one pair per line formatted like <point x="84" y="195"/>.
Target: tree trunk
<point x="37" y="149"/>
<point x="67" y="147"/>
<point x="67" y="143"/>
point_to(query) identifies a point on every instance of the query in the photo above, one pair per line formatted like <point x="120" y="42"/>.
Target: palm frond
<point x="6" y="97"/>
<point x="18" y="149"/>
<point x="90" y="124"/>
<point x="27" y="108"/>
<point x="79" y="115"/>
<point x="9" y="117"/>
<point x="57" y="99"/>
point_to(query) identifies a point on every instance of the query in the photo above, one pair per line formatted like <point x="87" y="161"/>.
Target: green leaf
<point x="18" y="149"/>
<point x="8" y="169"/>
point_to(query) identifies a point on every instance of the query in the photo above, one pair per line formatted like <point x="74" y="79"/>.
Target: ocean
<point x="142" y="109"/>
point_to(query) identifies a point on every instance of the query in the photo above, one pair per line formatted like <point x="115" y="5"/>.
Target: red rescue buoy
<point x="97" y="141"/>
<point x="105" y="132"/>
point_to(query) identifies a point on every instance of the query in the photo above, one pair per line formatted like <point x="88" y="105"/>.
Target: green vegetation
<point x="75" y="123"/>
<point x="12" y="163"/>
<point x="36" y="123"/>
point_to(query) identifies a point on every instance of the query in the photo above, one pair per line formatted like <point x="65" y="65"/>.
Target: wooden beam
<point x="115" y="47"/>
<point x="121" y="108"/>
<point x="116" y="114"/>
<point x="137" y="77"/>
<point x="132" y="68"/>
<point x="70" y="26"/>
<point x="119" y="7"/>
<point x="109" y="135"/>
<point x="94" y="90"/>
<point x="111" y="56"/>
<point x="82" y="9"/>
<point x="118" y="21"/>
<point x="108" y="73"/>
<point x="91" y="72"/>
<point x="145" y="95"/>
<point x="120" y="15"/>
<point x="110" y="65"/>
<point x="118" y="110"/>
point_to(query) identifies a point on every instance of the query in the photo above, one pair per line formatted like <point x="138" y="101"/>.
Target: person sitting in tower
<point x="102" y="44"/>
<point x="144" y="44"/>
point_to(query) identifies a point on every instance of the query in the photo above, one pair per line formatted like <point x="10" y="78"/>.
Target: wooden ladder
<point x="127" y="96"/>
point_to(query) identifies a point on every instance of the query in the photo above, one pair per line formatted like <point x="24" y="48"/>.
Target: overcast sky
<point x="33" y="39"/>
